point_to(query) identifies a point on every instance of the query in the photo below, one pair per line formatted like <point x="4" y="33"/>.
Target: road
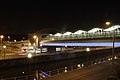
<point x="96" y="72"/>
<point x="12" y="53"/>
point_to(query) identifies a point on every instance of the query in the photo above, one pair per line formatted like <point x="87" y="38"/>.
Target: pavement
<point x="95" y="72"/>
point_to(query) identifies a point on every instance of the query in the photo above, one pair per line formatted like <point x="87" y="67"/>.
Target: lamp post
<point x="35" y="37"/>
<point x="113" y="46"/>
<point x="4" y="47"/>
<point x="29" y="56"/>
<point x="1" y="41"/>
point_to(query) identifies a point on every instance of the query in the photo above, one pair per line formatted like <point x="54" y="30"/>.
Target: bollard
<point x="49" y="73"/>
<point x="58" y="72"/>
<point x="79" y="66"/>
<point x="65" y="69"/>
<point x="82" y="65"/>
<point x="71" y="68"/>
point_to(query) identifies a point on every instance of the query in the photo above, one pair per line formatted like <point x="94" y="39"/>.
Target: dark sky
<point x="50" y="17"/>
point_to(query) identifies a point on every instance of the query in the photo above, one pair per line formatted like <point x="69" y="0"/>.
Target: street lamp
<point x="1" y="37"/>
<point x="35" y="39"/>
<point x="34" y="36"/>
<point x="4" y="47"/>
<point x="113" y="46"/>
<point x="107" y="23"/>
<point x="36" y="42"/>
<point x="29" y="56"/>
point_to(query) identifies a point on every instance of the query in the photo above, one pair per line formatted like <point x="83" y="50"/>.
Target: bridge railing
<point x="84" y="35"/>
<point x="79" y="66"/>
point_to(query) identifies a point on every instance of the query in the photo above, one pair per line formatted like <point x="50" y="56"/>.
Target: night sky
<point x="23" y="17"/>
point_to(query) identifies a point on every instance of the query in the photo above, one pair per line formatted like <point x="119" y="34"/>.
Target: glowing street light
<point x="65" y="46"/>
<point x="29" y="44"/>
<point x="35" y="39"/>
<point x="107" y="23"/>
<point x="29" y="55"/>
<point x="113" y="41"/>
<point x="1" y="36"/>
<point x="34" y="36"/>
<point x="4" y="47"/>
<point x="87" y="49"/>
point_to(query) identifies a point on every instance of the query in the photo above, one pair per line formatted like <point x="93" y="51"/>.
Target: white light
<point x="65" y="69"/>
<point x="117" y="44"/>
<point x="79" y="65"/>
<point x="23" y="72"/>
<point x="2" y="36"/>
<point x="58" y="34"/>
<point x="14" y="40"/>
<point x="52" y="39"/>
<point x="67" y="33"/>
<point x="79" y="32"/>
<point x="87" y="49"/>
<point x="109" y="59"/>
<point x="41" y="45"/>
<point x="112" y="28"/>
<point x="29" y="55"/>
<point x="94" y="30"/>
<point x="115" y="57"/>
<point x="82" y="65"/>
<point x="65" y="45"/>
<point x="4" y="46"/>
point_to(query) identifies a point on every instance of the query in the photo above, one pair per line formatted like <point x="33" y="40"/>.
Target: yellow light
<point x="34" y="36"/>
<point x="34" y="44"/>
<point x="4" y="46"/>
<point x="109" y="59"/>
<point x="29" y="44"/>
<point x="53" y="39"/>
<point x="107" y="23"/>
<point x="29" y="55"/>
<point x="2" y="36"/>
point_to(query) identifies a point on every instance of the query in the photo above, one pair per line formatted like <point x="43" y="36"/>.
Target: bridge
<point x="93" y="37"/>
<point x="81" y="34"/>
